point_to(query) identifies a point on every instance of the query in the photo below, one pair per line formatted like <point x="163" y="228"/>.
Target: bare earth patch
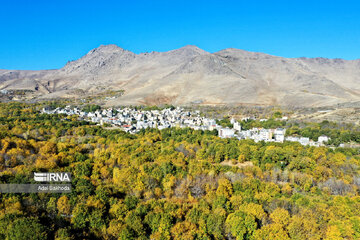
<point x="239" y="165"/>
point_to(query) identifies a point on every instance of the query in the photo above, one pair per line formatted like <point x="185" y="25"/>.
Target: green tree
<point x="25" y="229"/>
<point x="241" y="225"/>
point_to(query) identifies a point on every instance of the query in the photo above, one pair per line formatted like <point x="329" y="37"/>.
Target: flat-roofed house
<point x="226" y="133"/>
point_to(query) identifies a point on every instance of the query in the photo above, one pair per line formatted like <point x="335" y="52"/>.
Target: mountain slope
<point x="192" y="75"/>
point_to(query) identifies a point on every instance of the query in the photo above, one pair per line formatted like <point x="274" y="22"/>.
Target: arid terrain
<point x="190" y="75"/>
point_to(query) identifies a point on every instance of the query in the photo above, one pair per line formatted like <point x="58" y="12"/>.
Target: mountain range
<point x="190" y="75"/>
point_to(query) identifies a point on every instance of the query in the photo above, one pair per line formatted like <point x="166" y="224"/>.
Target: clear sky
<point x="38" y="34"/>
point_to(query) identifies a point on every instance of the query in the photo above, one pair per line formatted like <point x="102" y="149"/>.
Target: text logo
<point x="52" y="177"/>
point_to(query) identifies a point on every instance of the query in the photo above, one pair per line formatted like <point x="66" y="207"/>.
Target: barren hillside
<point x="191" y="75"/>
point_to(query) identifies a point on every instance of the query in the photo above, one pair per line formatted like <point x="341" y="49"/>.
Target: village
<point x="134" y="120"/>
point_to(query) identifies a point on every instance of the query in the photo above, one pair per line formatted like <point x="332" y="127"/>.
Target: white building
<point x="292" y="139"/>
<point x="304" y="141"/>
<point x="226" y="133"/>
<point x="323" y="139"/>
<point x="314" y="144"/>
<point x="237" y="126"/>
<point x="279" y="134"/>
<point x="264" y="135"/>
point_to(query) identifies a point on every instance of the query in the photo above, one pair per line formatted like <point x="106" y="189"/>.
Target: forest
<point x="174" y="183"/>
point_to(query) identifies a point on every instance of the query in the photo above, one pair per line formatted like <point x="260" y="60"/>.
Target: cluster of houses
<point x="257" y="134"/>
<point x="133" y="120"/>
<point x="268" y="135"/>
<point x="307" y="141"/>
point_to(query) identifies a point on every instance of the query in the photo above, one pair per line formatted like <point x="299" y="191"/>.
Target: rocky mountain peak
<point x="189" y="50"/>
<point x="100" y="58"/>
<point x="107" y="49"/>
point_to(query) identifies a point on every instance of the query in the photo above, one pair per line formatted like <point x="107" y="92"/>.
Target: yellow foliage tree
<point x="280" y="216"/>
<point x="333" y="233"/>
<point x="63" y="205"/>
<point x="271" y="232"/>
<point x="225" y="188"/>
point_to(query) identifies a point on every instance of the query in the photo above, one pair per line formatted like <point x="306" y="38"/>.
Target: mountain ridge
<point x="191" y="75"/>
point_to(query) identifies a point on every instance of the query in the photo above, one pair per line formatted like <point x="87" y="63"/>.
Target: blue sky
<point x="38" y="34"/>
